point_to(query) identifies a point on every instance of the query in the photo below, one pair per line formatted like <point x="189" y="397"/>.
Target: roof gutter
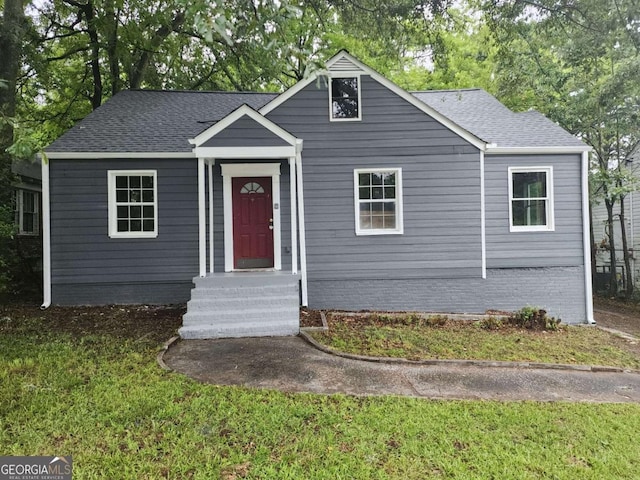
<point x="494" y="149"/>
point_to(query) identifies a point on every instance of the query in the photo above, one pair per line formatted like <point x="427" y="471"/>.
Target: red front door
<point x="252" y="222"/>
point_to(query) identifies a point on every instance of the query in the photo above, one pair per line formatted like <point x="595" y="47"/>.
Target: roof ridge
<point x="471" y="89"/>
<point x="159" y="90"/>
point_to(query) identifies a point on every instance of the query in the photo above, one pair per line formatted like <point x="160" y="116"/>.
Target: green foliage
<point x="533" y="318"/>
<point x="491" y="323"/>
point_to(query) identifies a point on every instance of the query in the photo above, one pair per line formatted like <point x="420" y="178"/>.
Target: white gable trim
<point x="341" y="56"/>
<point x="243" y="111"/>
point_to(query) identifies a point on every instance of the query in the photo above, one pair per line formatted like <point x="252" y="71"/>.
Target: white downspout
<point x="586" y="239"/>
<point x="483" y="219"/>
<point x="301" y="225"/>
<point x="202" y="220"/>
<point x="46" y="234"/>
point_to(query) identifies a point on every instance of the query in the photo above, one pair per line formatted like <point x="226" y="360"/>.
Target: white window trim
<point x="20" y="212"/>
<point x="113" y="220"/>
<point x="550" y="226"/>
<point x="355" y="75"/>
<point x="399" y="230"/>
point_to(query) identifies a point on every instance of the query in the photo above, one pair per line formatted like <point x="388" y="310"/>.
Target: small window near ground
<point x="345" y="98"/>
<point x="531" y="199"/>
<point x="378" y="196"/>
<point x="133" y="204"/>
<point x="27" y="208"/>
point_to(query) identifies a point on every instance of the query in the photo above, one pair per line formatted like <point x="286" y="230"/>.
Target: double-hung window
<point x="378" y="201"/>
<point x="133" y="203"/>
<point x="27" y="207"/>
<point x="531" y="199"/>
<point x="344" y="98"/>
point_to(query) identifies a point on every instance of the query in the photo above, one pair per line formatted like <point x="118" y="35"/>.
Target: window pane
<point x="122" y="212"/>
<point x="147" y="212"/>
<point x="365" y="193"/>
<point x="376" y="178"/>
<point x="135" y="212"/>
<point x="147" y="225"/>
<point x="122" y="196"/>
<point x="136" y="226"/>
<point x="134" y="182"/>
<point x="389" y="178"/>
<point x="390" y="192"/>
<point x="529" y="185"/>
<point x="28" y="223"/>
<point x="344" y="87"/>
<point x="345" y="108"/>
<point x="364" y="179"/>
<point x="135" y="196"/>
<point x="529" y="212"/>
<point x="390" y="221"/>
<point x="147" y="182"/>
<point x="376" y="193"/>
<point x="123" y="225"/>
<point x="147" y="195"/>
<point x="122" y="182"/>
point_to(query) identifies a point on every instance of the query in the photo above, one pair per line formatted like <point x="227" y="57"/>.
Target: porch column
<point x="210" y="164"/>
<point x="202" y="219"/>
<point x="303" y="240"/>
<point x="294" y="219"/>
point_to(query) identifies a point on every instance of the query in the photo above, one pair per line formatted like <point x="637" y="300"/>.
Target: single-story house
<point x="343" y="192"/>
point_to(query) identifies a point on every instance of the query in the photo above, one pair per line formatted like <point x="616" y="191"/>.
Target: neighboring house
<point x="28" y="220"/>
<point x="601" y="237"/>
<point x="344" y="192"/>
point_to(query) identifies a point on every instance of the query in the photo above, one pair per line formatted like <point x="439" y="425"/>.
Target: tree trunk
<point x="96" y="96"/>
<point x="625" y="252"/>
<point x="613" y="277"/>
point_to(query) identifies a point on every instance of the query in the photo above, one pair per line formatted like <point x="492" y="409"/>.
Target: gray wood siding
<point x="245" y="132"/>
<point x="559" y="248"/>
<point x="441" y="188"/>
<point x="82" y="252"/>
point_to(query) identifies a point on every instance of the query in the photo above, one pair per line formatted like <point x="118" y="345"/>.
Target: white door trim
<point x="231" y="170"/>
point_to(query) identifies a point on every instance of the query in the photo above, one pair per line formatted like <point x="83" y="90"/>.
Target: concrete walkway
<point x="290" y="364"/>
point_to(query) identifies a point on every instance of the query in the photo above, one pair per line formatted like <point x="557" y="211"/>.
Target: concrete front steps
<point x="243" y="304"/>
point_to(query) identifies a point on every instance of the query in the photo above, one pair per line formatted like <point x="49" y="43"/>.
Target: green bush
<point x="534" y="318"/>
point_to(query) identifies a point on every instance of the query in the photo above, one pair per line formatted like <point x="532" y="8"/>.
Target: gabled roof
<point x="152" y="121"/>
<point x="482" y="114"/>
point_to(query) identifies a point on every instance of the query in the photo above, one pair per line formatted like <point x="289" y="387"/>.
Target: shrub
<point x="533" y="318"/>
<point x="491" y="323"/>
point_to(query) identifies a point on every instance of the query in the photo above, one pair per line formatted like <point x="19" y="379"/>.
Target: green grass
<point x="103" y="399"/>
<point x="386" y="336"/>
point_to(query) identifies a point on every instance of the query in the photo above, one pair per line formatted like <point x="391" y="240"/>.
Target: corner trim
<point x="586" y="239"/>
<point x="46" y="234"/>
<point x="483" y="219"/>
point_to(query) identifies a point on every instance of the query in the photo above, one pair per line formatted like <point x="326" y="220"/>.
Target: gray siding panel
<point x="245" y="132"/>
<point x="88" y="267"/>
<point x="441" y="188"/>
<point x="559" y="248"/>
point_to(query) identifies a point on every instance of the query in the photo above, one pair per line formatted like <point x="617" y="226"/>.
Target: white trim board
<point x="245" y="153"/>
<point x="230" y="170"/>
<point x="550" y="226"/>
<point x="495" y="150"/>
<point x="116" y="155"/>
<point x="242" y="111"/>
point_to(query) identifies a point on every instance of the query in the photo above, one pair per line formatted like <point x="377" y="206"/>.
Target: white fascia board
<point x="495" y="150"/>
<point x="119" y="155"/>
<point x="232" y="153"/>
<point x="280" y="99"/>
<point x="237" y="114"/>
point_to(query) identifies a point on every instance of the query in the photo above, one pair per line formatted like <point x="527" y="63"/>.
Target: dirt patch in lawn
<point x="153" y="324"/>
<point x="618" y="314"/>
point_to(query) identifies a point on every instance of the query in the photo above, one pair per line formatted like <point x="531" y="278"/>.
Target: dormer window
<point x="345" y="98"/>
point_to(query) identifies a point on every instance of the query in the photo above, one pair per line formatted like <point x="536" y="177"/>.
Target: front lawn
<point x="408" y="336"/>
<point x="72" y="382"/>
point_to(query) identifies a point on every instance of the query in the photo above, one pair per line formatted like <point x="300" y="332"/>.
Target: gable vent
<point x="344" y="65"/>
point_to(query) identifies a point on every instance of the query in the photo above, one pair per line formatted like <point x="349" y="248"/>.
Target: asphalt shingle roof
<point x="163" y="121"/>
<point x="484" y="116"/>
<point x="152" y="121"/>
